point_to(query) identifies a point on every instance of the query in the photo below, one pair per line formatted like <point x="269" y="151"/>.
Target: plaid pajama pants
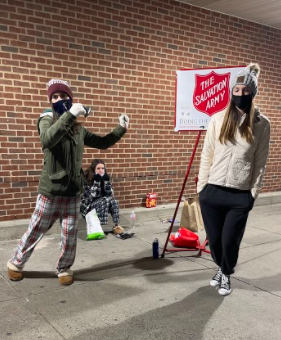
<point x="103" y="206"/>
<point x="46" y="213"/>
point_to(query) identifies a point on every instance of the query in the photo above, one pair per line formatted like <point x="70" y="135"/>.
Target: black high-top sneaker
<point x="216" y="280"/>
<point x="225" y="288"/>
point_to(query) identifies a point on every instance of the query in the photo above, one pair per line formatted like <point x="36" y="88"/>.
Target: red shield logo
<point x="211" y="93"/>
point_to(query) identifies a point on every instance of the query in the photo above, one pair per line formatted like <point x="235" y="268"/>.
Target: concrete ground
<point x="121" y="292"/>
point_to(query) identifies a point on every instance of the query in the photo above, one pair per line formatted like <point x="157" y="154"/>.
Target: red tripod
<point x="200" y="247"/>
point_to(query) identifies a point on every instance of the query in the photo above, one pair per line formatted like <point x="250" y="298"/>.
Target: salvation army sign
<point x="211" y="92"/>
<point x="200" y="94"/>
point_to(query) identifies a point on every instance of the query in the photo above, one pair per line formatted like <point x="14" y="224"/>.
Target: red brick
<point x="131" y="55"/>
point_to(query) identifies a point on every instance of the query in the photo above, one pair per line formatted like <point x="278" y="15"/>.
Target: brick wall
<point x="120" y="56"/>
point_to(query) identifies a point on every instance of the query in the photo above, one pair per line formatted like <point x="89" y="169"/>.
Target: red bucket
<point x="184" y="238"/>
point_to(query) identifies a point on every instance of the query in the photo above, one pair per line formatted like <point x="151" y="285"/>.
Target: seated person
<point x="98" y="194"/>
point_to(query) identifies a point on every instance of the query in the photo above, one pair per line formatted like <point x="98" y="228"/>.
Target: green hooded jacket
<point x="62" y="173"/>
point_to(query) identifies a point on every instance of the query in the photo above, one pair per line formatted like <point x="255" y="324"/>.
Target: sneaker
<point x="216" y="280"/>
<point x="225" y="288"/>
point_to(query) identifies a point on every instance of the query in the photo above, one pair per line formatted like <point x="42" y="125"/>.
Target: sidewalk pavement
<point x="120" y="292"/>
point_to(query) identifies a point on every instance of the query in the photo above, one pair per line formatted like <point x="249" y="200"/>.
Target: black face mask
<point x="243" y="102"/>
<point x="62" y="106"/>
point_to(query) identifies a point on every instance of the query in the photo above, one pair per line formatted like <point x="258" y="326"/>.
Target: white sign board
<point x="200" y="94"/>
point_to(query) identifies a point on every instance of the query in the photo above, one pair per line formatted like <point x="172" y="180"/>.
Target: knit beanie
<point x="58" y="85"/>
<point x="249" y="77"/>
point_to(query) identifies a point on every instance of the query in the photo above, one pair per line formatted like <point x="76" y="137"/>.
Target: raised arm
<point x="51" y="133"/>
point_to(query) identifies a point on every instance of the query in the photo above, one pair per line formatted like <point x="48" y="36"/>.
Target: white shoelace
<point x="218" y="275"/>
<point x="225" y="282"/>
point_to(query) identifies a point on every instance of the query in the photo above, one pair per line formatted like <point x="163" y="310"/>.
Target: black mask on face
<point x="243" y="102"/>
<point x="62" y="106"/>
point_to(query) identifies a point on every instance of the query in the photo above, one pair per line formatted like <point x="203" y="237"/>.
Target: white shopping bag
<point x="94" y="229"/>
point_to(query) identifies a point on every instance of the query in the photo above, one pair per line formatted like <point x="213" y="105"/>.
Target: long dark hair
<point x="91" y="171"/>
<point x="231" y="124"/>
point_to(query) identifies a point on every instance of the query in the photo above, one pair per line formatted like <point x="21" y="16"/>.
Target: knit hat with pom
<point x="248" y="77"/>
<point x="58" y="85"/>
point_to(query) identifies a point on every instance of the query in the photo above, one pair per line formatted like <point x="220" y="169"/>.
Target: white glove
<point x="124" y="121"/>
<point x="77" y="109"/>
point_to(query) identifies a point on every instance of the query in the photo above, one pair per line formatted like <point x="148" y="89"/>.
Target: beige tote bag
<point x="191" y="217"/>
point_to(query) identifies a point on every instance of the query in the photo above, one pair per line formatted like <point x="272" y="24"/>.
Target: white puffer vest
<point x="240" y="165"/>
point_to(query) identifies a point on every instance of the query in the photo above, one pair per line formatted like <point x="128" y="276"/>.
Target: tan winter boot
<point x="14" y="272"/>
<point x="118" y="230"/>
<point x="66" y="277"/>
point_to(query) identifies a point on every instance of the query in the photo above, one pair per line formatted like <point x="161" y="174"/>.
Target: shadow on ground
<point x="187" y="318"/>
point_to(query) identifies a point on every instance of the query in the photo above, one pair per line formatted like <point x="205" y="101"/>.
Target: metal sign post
<point x="199" y="247"/>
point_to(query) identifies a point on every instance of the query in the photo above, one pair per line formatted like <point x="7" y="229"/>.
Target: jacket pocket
<point x="55" y="168"/>
<point x="240" y="172"/>
<point x="58" y="175"/>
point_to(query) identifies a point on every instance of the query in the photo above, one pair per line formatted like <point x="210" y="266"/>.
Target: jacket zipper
<point x="229" y="166"/>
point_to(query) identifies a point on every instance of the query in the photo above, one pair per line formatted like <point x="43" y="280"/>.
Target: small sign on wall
<point x="200" y="93"/>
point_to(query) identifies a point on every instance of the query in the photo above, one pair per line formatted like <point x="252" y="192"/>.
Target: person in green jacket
<point x="61" y="182"/>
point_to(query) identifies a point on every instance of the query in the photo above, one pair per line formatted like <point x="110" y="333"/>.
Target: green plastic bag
<point x="94" y="229"/>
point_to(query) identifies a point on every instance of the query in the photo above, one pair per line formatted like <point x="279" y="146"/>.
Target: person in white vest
<point x="231" y="170"/>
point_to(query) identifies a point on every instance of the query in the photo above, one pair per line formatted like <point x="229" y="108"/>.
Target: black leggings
<point x="225" y="212"/>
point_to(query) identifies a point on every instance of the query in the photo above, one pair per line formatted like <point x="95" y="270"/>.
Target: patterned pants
<point x="47" y="212"/>
<point x="103" y="206"/>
